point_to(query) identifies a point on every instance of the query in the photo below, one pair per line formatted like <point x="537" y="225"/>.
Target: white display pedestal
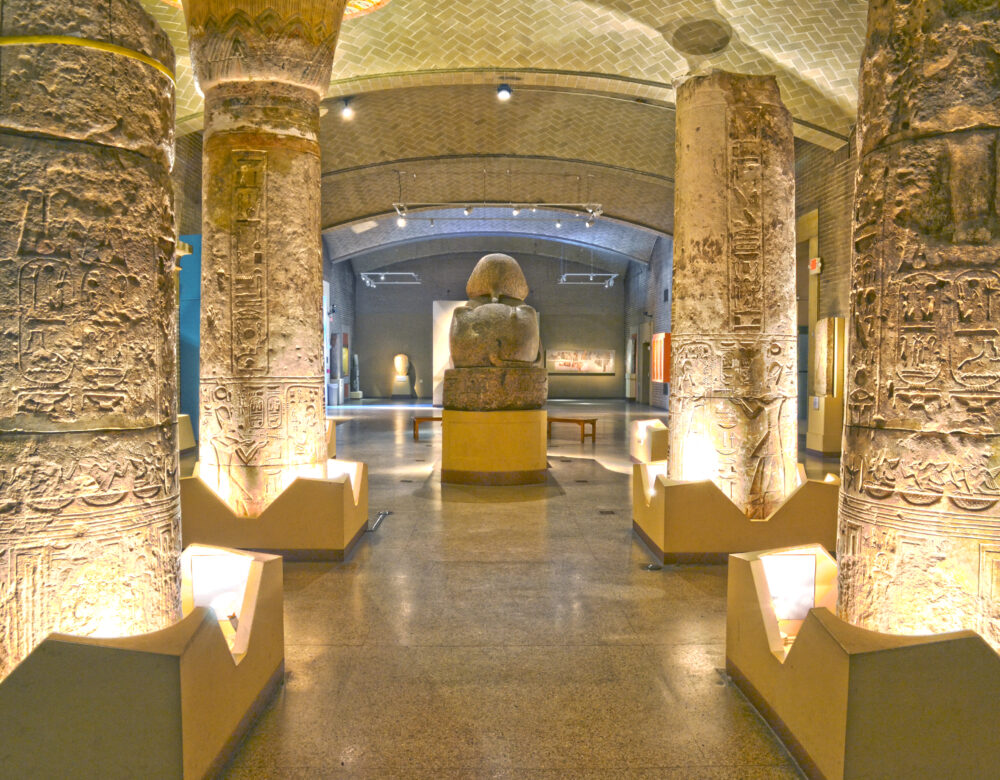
<point x="401" y="387"/>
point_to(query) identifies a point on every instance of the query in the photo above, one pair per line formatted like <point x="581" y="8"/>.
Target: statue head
<point x="497" y="276"/>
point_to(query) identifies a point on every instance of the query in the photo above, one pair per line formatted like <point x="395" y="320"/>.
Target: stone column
<point x="733" y="372"/>
<point x="263" y="67"/>
<point x="89" y="513"/>
<point x="919" y="535"/>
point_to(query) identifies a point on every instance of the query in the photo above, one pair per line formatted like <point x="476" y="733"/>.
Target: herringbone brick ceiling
<point x="593" y="94"/>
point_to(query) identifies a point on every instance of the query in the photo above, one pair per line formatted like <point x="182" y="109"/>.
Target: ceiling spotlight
<point x="589" y="223"/>
<point x="347" y="110"/>
<point x="516" y="210"/>
<point x="400" y="221"/>
<point x="534" y="209"/>
<point x="467" y="210"/>
<point x="558" y="223"/>
<point x="504" y="92"/>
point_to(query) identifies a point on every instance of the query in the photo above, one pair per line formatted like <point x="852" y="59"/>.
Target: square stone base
<point x="494" y="448"/>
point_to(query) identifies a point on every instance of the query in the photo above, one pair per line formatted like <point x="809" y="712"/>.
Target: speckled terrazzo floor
<point x="504" y="632"/>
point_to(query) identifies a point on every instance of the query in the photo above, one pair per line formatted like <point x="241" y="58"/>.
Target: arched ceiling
<point x="608" y="245"/>
<point x="592" y="113"/>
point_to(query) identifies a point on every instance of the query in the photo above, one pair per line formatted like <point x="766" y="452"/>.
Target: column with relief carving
<point x="89" y="513"/>
<point x="733" y="369"/>
<point x="263" y="66"/>
<point x="919" y="535"/>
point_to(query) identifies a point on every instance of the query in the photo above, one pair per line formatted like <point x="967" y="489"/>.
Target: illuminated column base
<point x="851" y="703"/>
<point x="312" y="519"/>
<point x="171" y="703"/>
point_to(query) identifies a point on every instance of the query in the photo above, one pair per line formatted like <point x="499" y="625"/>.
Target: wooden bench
<point x="583" y="422"/>
<point x="416" y="425"/>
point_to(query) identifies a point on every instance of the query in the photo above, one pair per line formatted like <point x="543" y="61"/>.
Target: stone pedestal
<point x="89" y="537"/>
<point x="487" y="388"/>
<point x="919" y="536"/>
<point x="733" y="363"/>
<point x="493" y="448"/>
<point x="263" y="72"/>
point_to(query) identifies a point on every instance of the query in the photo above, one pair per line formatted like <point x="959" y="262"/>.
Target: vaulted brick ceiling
<point x="592" y="114"/>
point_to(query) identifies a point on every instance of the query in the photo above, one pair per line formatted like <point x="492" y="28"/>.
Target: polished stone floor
<point x="505" y="632"/>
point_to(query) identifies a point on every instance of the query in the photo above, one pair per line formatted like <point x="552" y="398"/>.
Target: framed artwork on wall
<point x="580" y="361"/>
<point x="660" y="358"/>
<point x="345" y="356"/>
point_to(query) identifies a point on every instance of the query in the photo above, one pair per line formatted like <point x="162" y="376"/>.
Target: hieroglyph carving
<point x="248" y="297"/>
<point x="89" y="514"/>
<point x="746" y="240"/>
<point x="920" y="501"/>
<point x="733" y="391"/>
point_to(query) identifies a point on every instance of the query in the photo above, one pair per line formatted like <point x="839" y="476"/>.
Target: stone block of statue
<point x="495" y="344"/>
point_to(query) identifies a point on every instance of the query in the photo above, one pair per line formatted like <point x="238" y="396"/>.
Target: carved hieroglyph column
<point x="919" y="535"/>
<point x="89" y="509"/>
<point x="733" y="391"/>
<point x="263" y="66"/>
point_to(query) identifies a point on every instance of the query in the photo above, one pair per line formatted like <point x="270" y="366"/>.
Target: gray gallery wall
<point x="392" y="319"/>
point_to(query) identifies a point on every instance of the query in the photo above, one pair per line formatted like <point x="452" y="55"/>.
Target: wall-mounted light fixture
<point x="346" y="110"/>
<point x="374" y="279"/>
<point x="504" y="93"/>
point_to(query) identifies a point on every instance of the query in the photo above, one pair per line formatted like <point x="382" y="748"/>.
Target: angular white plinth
<point x="648" y="441"/>
<point x="851" y="703"/>
<point x="313" y="519"/>
<point x="696" y="522"/>
<point x="173" y="703"/>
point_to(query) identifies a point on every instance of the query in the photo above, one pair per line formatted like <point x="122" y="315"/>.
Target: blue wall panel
<point x="190" y="329"/>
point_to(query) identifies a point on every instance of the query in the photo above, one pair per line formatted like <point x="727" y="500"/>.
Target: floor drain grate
<point x="583" y="481"/>
<point x="565" y="460"/>
<point x="406" y="480"/>
<point x="606" y="511"/>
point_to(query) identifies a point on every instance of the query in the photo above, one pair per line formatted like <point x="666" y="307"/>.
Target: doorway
<point x="645" y="377"/>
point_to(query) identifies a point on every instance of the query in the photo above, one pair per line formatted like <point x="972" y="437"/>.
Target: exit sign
<point x="815" y="265"/>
